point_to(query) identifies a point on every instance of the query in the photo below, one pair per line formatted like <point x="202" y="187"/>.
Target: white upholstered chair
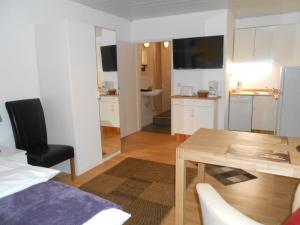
<point x="216" y="211"/>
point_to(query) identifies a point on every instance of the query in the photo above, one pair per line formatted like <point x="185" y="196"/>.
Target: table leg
<point x="201" y="172"/>
<point x="180" y="188"/>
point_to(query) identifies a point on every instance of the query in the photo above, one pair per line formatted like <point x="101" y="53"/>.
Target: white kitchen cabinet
<point x="189" y="115"/>
<point x="244" y="40"/>
<point x="254" y="44"/>
<point x="264" y="47"/>
<point x="240" y="113"/>
<point x="264" y="113"/>
<point x="109" y="111"/>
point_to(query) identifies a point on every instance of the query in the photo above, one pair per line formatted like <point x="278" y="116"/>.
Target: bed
<point x="28" y="196"/>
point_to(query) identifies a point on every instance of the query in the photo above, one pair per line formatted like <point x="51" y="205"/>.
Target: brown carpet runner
<point x="145" y="189"/>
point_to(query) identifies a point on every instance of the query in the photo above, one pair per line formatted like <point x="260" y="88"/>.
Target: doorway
<point x="155" y="86"/>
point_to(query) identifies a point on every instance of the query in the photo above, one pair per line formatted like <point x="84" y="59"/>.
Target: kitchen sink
<point x="152" y="93"/>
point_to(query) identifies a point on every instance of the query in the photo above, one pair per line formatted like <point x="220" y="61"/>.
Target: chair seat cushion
<point x="294" y="219"/>
<point x="49" y="155"/>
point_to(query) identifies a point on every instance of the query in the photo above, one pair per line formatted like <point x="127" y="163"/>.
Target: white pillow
<point x="109" y="217"/>
<point x="15" y="176"/>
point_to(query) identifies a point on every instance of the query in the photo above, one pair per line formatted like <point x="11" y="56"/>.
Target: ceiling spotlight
<point x="166" y="44"/>
<point x="146" y="44"/>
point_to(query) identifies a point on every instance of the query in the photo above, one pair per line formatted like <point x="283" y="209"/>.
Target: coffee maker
<point x="212" y="88"/>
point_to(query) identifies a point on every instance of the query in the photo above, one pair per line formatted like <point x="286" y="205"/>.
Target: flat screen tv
<point x="199" y="52"/>
<point x="109" y="58"/>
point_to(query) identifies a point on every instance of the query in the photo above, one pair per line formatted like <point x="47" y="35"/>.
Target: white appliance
<point x="240" y="113"/>
<point x="288" y="123"/>
<point x="212" y="88"/>
<point x="186" y="91"/>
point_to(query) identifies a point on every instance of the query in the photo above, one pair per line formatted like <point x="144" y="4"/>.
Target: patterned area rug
<point x="227" y="175"/>
<point x="145" y="189"/>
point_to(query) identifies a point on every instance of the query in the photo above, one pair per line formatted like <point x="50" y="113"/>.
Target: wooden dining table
<point x="248" y="151"/>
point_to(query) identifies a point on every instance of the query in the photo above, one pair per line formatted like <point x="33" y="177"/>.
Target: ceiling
<point x="140" y="9"/>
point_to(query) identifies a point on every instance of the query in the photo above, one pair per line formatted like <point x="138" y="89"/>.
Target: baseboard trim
<point x="112" y="130"/>
<point x="262" y="131"/>
<point x="110" y="156"/>
<point x="181" y="137"/>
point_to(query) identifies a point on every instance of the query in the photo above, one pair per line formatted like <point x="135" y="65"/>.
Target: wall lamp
<point x="166" y="44"/>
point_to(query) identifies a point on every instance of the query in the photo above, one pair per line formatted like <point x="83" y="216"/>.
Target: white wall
<point x="107" y="37"/>
<point x="183" y="26"/>
<point x="179" y="26"/>
<point x="18" y="68"/>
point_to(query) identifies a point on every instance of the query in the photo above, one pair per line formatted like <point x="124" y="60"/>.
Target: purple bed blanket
<point x="51" y="203"/>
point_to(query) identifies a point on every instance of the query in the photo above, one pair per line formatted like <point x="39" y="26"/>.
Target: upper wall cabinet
<point x="280" y="44"/>
<point x="254" y="44"/>
<point x="264" y="46"/>
<point x="244" y="45"/>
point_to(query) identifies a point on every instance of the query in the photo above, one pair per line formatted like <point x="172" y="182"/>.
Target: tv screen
<point x="198" y="52"/>
<point x="109" y="57"/>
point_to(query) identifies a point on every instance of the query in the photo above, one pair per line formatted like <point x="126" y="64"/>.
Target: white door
<point x="105" y="113"/>
<point x="128" y="88"/>
<point x="203" y="117"/>
<point x="264" y="43"/>
<point x="114" y="110"/>
<point x="264" y="113"/>
<point x="188" y="119"/>
<point x="83" y="76"/>
<point x="244" y="45"/>
<point x="240" y="113"/>
<point x="177" y="119"/>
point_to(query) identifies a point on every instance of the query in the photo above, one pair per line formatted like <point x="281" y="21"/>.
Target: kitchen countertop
<point x="251" y="93"/>
<point x="255" y="92"/>
<point x="108" y="95"/>
<point x="194" y="97"/>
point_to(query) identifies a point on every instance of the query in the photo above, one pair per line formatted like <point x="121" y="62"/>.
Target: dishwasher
<point x="240" y="113"/>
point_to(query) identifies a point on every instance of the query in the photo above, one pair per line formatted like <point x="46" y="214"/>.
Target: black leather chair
<point x="29" y="128"/>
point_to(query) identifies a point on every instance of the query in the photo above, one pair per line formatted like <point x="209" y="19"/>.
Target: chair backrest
<point x="28" y="123"/>
<point x="216" y="211"/>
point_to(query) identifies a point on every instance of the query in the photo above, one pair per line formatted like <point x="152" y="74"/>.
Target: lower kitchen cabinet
<point x="264" y="113"/>
<point x="109" y="111"/>
<point x="252" y="113"/>
<point x="240" y="113"/>
<point x="189" y="115"/>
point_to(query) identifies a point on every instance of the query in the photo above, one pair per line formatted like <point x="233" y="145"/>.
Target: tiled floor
<point x="157" y="128"/>
<point x="161" y="124"/>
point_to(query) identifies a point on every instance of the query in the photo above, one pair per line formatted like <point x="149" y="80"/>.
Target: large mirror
<point x="108" y="91"/>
